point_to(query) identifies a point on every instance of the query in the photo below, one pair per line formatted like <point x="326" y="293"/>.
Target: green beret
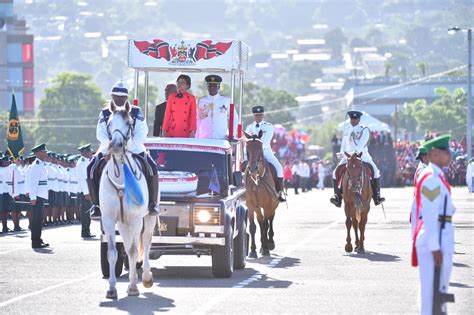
<point x="441" y="142"/>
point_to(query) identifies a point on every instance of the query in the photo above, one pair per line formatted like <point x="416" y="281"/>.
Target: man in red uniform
<point x="180" y="115"/>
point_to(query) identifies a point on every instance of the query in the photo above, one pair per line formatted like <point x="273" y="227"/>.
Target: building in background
<point x="16" y="60"/>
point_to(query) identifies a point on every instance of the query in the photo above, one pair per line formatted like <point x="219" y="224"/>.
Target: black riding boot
<point x="94" y="211"/>
<point x="337" y="198"/>
<point x="279" y="189"/>
<point x="153" y="194"/>
<point x="376" y="191"/>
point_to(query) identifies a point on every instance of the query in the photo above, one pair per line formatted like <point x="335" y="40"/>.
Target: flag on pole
<point x="214" y="185"/>
<point x="14" y="136"/>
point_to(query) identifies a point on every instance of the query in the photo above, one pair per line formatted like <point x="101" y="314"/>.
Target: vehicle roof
<point x="220" y="146"/>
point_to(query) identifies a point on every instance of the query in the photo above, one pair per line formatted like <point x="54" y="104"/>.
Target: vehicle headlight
<point x="203" y="216"/>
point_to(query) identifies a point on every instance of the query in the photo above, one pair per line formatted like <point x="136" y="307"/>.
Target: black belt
<point x="447" y="218"/>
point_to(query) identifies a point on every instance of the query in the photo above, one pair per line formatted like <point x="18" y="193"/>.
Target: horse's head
<point x="354" y="170"/>
<point x="119" y="127"/>
<point x="254" y="148"/>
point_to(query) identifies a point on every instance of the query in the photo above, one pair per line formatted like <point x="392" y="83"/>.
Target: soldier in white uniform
<point x="422" y="156"/>
<point x="83" y="190"/>
<point x="470" y="175"/>
<point x="321" y="175"/>
<point x="213" y="112"/>
<point x="136" y="146"/>
<point x="356" y="138"/>
<point x="433" y="206"/>
<point x="37" y="179"/>
<point x="267" y="128"/>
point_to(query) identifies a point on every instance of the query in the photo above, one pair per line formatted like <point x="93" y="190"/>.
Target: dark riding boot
<point x="337" y="198"/>
<point x="94" y="211"/>
<point x="279" y="189"/>
<point x="153" y="194"/>
<point x="376" y="191"/>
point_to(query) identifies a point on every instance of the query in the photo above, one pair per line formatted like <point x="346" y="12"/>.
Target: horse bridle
<point x="359" y="179"/>
<point x="256" y="176"/>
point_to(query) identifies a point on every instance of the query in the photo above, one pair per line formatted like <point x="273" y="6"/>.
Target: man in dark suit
<point x="160" y="111"/>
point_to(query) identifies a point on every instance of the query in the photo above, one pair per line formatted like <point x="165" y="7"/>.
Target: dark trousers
<point x="37" y="221"/>
<point x="85" y="216"/>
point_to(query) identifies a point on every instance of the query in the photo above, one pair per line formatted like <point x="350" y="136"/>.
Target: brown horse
<point x="356" y="193"/>
<point x="260" y="194"/>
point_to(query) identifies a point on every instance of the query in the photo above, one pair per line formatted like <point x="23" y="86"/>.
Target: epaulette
<point x="37" y="162"/>
<point x="82" y="159"/>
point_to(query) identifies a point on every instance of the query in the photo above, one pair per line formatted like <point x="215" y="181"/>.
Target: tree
<point x="152" y="98"/>
<point x="446" y="114"/>
<point x="335" y="39"/>
<point x="406" y="117"/>
<point x="68" y="112"/>
<point x="422" y="67"/>
<point x="277" y="104"/>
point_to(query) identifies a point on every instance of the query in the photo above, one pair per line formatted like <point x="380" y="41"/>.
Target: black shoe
<point x="7" y="230"/>
<point x="43" y="243"/>
<point x="378" y="200"/>
<point x="40" y="245"/>
<point x="95" y="212"/>
<point x="152" y="210"/>
<point x="87" y="235"/>
<point x="336" y="200"/>
<point x="18" y="229"/>
<point x="281" y="198"/>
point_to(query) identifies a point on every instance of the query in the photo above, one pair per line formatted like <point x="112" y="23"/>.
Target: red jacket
<point x="180" y="115"/>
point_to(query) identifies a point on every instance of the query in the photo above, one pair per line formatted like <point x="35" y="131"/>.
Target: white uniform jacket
<point x="267" y="129"/>
<point x="212" y="117"/>
<point x="470" y="177"/>
<point x="433" y="193"/>
<point x="139" y="134"/>
<point x="19" y="187"/>
<point x="81" y="170"/>
<point x="37" y="178"/>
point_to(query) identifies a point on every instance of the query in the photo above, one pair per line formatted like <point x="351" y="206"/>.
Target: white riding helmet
<point x="119" y="89"/>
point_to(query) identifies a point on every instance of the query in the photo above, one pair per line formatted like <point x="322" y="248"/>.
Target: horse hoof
<point x="271" y="245"/>
<point x="253" y="254"/>
<point x="361" y="250"/>
<point x="265" y="252"/>
<point x="148" y="284"/>
<point x="348" y="248"/>
<point x="133" y="291"/>
<point x="111" y="294"/>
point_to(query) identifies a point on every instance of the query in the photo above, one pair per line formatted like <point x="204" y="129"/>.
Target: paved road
<point x="308" y="272"/>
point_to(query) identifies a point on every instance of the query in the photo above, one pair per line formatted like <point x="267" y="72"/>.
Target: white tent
<point x="367" y="121"/>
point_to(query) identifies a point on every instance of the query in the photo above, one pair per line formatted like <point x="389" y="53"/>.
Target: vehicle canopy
<point x="190" y="56"/>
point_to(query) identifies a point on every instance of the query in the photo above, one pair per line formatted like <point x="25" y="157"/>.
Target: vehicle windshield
<point x="199" y="163"/>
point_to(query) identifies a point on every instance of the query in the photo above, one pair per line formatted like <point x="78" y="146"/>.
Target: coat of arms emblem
<point x="182" y="55"/>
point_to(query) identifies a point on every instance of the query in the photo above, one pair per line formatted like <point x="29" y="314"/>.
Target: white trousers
<point x="320" y="182"/>
<point x="268" y="154"/>
<point x="426" y="266"/>
<point x="365" y="158"/>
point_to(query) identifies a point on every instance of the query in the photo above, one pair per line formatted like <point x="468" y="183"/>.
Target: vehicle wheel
<point x="223" y="257"/>
<point x="104" y="263"/>
<point x="240" y="247"/>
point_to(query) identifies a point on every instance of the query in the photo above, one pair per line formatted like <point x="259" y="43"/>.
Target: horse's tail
<point x="141" y="247"/>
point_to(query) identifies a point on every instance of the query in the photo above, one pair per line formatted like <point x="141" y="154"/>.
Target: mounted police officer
<point x="136" y="147"/>
<point x="267" y="128"/>
<point x="356" y="138"/>
<point x="213" y="112"/>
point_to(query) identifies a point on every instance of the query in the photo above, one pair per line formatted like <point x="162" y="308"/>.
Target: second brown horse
<point x="356" y="193"/>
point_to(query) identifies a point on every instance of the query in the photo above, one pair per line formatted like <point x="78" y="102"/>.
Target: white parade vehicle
<point x="193" y="219"/>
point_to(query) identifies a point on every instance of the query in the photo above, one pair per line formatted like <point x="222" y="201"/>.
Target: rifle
<point x="439" y="298"/>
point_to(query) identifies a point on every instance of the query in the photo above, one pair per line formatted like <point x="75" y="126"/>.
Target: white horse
<point x="123" y="197"/>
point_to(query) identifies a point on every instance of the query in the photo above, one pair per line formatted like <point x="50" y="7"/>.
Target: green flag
<point x="14" y="137"/>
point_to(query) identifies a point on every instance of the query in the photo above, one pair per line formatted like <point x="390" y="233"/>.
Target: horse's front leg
<point x="355" y="225"/>
<point x="348" y="247"/>
<point x="109" y="229"/>
<point x="253" y="229"/>
<point x="263" y="223"/>
<point x="147" y="276"/>
<point x="271" y="242"/>
<point x="131" y="239"/>
<point x="363" y="222"/>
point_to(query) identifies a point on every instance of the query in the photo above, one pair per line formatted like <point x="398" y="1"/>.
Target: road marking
<point x="9" y="251"/>
<point x="258" y="276"/>
<point x="24" y="296"/>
